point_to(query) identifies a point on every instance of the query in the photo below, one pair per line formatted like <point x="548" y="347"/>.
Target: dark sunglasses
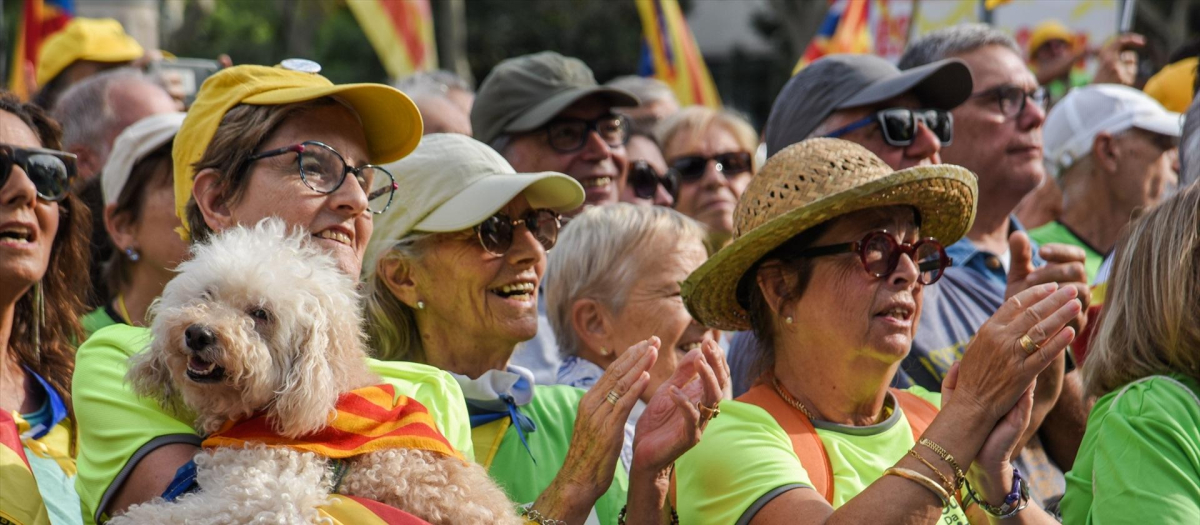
<point x="899" y="125"/>
<point x="1012" y="99"/>
<point x="50" y="170"/>
<point x="495" y="233"/>
<point x="645" y="181"/>
<point x="691" y="168"/>
<point x="324" y="170"/>
<point x="569" y="134"/>
<point x="880" y="253"/>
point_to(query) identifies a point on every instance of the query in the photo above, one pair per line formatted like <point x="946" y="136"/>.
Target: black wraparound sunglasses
<point x="50" y="170"/>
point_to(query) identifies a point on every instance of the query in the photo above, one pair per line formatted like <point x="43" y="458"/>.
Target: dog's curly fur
<point x="287" y="340"/>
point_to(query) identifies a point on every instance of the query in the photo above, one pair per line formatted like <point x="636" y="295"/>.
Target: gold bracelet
<point x="946" y="482"/>
<point x="941" y="452"/>
<point x="922" y="480"/>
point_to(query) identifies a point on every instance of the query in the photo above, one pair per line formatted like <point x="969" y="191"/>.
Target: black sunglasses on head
<point x="691" y="168"/>
<point x="50" y="170"/>
<point x="645" y="181"/>
<point x="899" y="125"/>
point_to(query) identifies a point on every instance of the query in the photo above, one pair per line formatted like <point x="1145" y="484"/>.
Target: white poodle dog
<point x="260" y="323"/>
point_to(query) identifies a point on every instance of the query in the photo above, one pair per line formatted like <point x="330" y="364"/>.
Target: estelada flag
<point x="846" y="29"/>
<point x="401" y="31"/>
<point x="39" y="19"/>
<point x="671" y="55"/>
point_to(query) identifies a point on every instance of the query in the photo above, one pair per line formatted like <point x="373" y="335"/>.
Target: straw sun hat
<point x="807" y="184"/>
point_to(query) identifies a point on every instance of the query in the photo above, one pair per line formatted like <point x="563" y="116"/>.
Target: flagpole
<point x="985" y="14"/>
<point x="4" y="54"/>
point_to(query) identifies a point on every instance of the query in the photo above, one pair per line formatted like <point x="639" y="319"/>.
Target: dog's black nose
<point x="198" y="337"/>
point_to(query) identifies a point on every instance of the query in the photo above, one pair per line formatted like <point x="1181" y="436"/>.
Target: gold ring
<point x="613" y="397"/>
<point x="1027" y="344"/>
<point x="707" y="413"/>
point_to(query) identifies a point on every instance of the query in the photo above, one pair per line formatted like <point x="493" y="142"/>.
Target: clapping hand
<point x="675" y="417"/>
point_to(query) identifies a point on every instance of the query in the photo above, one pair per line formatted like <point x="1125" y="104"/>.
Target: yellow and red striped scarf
<point x="365" y="420"/>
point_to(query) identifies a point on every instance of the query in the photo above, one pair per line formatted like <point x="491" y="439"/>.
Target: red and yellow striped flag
<point x="366" y="420"/>
<point x="673" y="56"/>
<point x="401" y="31"/>
<point x="846" y="29"/>
<point x="39" y="19"/>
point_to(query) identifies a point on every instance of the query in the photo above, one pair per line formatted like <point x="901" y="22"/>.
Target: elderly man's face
<point x="442" y="115"/>
<point x="923" y="150"/>
<point x="1004" y="151"/>
<point x="597" y="165"/>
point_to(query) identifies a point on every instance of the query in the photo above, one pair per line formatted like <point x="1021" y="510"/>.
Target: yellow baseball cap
<point x="1047" y="31"/>
<point x="1174" y="85"/>
<point x="95" y="39"/>
<point x="390" y="120"/>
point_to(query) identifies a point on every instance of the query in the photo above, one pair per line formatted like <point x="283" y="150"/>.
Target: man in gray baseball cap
<point x="545" y="112"/>
<point x="903" y="117"/>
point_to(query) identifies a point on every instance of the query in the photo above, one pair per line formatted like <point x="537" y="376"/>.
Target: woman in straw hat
<point x="258" y="142"/>
<point x="43" y="277"/>
<point x="452" y="280"/>
<point x="831" y="254"/>
<point x="1139" y="455"/>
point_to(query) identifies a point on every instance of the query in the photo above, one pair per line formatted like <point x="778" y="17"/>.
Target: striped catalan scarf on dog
<point x="365" y="420"/>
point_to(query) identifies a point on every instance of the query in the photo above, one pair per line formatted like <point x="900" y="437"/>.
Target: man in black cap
<point x="903" y="117"/>
<point x="545" y="112"/>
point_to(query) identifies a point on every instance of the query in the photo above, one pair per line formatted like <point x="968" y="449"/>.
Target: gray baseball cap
<point x="523" y="93"/>
<point x="846" y="81"/>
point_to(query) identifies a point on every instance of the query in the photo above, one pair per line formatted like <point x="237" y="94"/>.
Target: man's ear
<point x="593" y="325"/>
<point x="86" y="161"/>
<point x="397" y="275"/>
<point x="210" y="198"/>
<point x="1104" y="151"/>
<point x="120" y="229"/>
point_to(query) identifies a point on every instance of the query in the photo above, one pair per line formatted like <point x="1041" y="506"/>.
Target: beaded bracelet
<point x="625" y="510"/>
<point x="532" y="515"/>
<point x="922" y="480"/>
<point x="959" y="477"/>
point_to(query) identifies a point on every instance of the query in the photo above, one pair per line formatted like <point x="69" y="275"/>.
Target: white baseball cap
<point x="452" y="182"/>
<point x="131" y="146"/>
<point x="1073" y="123"/>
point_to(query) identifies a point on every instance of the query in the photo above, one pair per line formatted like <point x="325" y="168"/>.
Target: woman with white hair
<point x="452" y="279"/>
<point x="614" y="281"/>
<point x="1140" y="456"/>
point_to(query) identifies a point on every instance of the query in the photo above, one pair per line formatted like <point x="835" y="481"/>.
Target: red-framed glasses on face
<point x="880" y="253"/>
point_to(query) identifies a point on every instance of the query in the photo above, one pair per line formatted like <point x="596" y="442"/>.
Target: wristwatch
<point x="1014" y="502"/>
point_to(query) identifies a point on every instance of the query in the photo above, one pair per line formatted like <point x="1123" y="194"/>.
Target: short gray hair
<point x="1189" y="146"/>
<point x="954" y="41"/>
<point x="600" y="254"/>
<point x="433" y="83"/>
<point x="646" y="89"/>
<point x="84" y="110"/>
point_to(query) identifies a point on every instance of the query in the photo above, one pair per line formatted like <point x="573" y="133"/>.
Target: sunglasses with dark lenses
<point x="496" y="232"/>
<point x="880" y="253"/>
<point x="1012" y="99"/>
<point x="50" y="170"/>
<point x="691" y="168"/>
<point x="569" y="134"/>
<point x="645" y="181"/>
<point x="899" y="125"/>
<point x="324" y="170"/>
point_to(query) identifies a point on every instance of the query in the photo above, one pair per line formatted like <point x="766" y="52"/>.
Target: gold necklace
<point x="791" y="400"/>
<point x="123" y="311"/>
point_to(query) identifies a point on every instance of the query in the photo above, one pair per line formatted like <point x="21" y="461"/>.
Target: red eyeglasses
<point x="880" y="253"/>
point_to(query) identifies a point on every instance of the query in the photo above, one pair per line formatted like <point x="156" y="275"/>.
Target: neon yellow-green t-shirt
<point x="745" y="460"/>
<point x="1055" y="231"/>
<point x="117" y="427"/>
<point x="1140" y="457"/>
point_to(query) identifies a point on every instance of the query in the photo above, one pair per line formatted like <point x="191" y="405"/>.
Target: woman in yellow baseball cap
<point x="257" y="142"/>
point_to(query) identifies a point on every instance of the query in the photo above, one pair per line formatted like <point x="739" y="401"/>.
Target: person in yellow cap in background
<point x="1054" y="52"/>
<point x="83" y="48"/>
<point x="237" y="159"/>
<point x="1174" y="86"/>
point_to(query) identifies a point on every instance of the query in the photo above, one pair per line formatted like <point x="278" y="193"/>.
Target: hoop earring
<point x="420" y="305"/>
<point x="39" y="317"/>
<point x="132" y="254"/>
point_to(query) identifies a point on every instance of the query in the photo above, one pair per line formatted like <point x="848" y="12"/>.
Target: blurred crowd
<point x="964" y="288"/>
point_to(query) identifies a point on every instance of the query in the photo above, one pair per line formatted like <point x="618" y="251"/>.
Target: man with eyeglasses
<point x="998" y="136"/>
<point x="545" y="112"/>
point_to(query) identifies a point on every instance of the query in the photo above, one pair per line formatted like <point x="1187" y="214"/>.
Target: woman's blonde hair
<point x="391" y="324"/>
<point x="692" y="122"/>
<point x="1151" y="319"/>
<point x="600" y="254"/>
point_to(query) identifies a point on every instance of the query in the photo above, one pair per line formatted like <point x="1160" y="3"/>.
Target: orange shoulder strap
<point x="918" y="411"/>
<point x="805" y="442"/>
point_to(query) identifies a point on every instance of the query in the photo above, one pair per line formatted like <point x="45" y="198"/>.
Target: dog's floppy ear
<point x="309" y="393"/>
<point x="150" y="375"/>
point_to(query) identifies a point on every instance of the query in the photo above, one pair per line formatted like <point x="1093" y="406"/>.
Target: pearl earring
<point x="603" y="351"/>
<point x="420" y="305"/>
<point x="788" y="319"/>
